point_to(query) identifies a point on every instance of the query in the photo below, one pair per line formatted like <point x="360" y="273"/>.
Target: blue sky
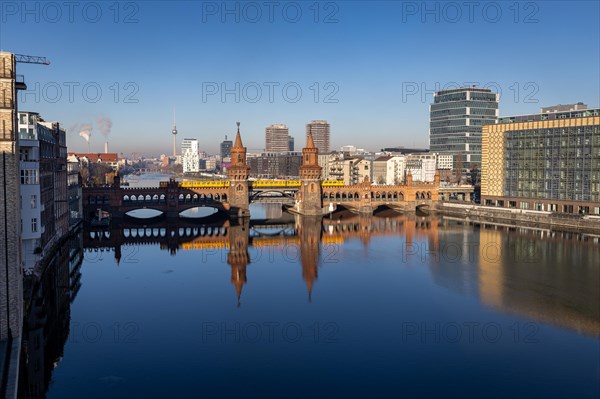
<point x="367" y="67"/>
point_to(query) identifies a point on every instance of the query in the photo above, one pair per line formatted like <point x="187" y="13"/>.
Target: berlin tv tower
<point x="174" y="131"/>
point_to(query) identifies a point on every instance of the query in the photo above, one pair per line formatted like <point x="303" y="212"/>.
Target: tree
<point x="458" y="167"/>
<point x="474" y="175"/>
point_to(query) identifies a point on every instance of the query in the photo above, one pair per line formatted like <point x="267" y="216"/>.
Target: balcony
<point x="20" y="83"/>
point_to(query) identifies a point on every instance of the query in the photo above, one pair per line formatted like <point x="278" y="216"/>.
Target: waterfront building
<point x="189" y="156"/>
<point x="11" y="277"/>
<point x="321" y="133"/>
<point x="43" y="181"/>
<point x="456" y="118"/>
<point x="543" y="162"/>
<point x="74" y="191"/>
<point x="277" y="138"/>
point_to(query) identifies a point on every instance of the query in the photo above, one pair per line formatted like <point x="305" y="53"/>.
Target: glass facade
<point x="456" y="117"/>
<point x="554" y="163"/>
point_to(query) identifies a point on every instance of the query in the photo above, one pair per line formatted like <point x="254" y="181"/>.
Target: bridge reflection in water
<point x="543" y="275"/>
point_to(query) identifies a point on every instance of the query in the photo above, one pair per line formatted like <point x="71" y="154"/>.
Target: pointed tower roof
<point x="309" y="140"/>
<point x="238" y="138"/>
<point x="238" y="287"/>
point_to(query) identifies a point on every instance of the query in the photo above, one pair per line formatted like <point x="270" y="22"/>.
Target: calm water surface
<point x="348" y="306"/>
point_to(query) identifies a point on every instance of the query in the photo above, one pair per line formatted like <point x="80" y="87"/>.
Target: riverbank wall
<point x="520" y="217"/>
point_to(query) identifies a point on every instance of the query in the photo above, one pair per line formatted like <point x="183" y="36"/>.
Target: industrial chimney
<point x="106" y="147"/>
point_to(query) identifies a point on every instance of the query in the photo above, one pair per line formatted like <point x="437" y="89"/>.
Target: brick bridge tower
<point x="310" y="231"/>
<point x="238" y="257"/>
<point x="238" y="175"/>
<point x="309" y="197"/>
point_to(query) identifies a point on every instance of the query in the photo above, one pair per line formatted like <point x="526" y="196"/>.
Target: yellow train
<point x="205" y="183"/>
<point x="332" y="183"/>
<point x="275" y="183"/>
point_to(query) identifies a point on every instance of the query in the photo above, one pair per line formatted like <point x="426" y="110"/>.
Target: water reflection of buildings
<point x="545" y="276"/>
<point x="548" y="276"/>
<point x="48" y="317"/>
<point x="307" y="235"/>
<point x="556" y="283"/>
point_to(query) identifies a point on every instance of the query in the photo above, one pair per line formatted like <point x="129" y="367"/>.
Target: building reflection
<point x="548" y="276"/>
<point x="47" y="311"/>
<point x="545" y="276"/>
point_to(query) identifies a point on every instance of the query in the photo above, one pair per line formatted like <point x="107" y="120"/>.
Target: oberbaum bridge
<point x="310" y="195"/>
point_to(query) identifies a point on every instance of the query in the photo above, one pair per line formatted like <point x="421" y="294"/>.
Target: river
<point x="345" y="306"/>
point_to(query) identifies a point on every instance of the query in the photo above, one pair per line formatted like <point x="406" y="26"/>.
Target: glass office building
<point x="543" y="162"/>
<point x="456" y="118"/>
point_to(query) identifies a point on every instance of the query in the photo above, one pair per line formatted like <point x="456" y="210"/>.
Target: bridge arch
<point x="259" y="194"/>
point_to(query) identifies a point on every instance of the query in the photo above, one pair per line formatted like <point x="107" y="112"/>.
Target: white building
<point x="189" y="156"/>
<point x="445" y="162"/>
<point x="31" y="218"/>
<point x="332" y="166"/>
<point x="352" y="150"/>
<point x="389" y="169"/>
<point x="393" y="169"/>
<point x="43" y="185"/>
<point x="422" y="166"/>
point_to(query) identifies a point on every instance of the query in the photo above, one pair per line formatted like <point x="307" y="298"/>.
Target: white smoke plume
<point x="85" y="131"/>
<point x="105" y="125"/>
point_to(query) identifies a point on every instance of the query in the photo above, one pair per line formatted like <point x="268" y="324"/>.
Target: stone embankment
<point x="520" y="217"/>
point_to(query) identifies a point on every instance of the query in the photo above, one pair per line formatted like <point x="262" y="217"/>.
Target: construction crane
<point x="31" y="59"/>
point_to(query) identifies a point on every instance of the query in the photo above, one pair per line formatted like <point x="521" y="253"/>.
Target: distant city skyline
<point x="262" y="71"/>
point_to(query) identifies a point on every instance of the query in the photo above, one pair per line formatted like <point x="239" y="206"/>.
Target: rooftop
<point x="463" y="89"/>
<point x="550" y="116"/>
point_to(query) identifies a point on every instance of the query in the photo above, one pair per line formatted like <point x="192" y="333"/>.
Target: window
<point x="33" y="201"/>
<point x="34" y="225"/>
<point x="29" y="176"/>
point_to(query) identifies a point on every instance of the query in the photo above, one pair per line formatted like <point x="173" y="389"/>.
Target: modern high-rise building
<point x="290" y="143"/>
<point x="277" y="138"/>
<point x="320" y="132"/>
<point x="189" y="156"/>
<point x="226" y="148"/>
<point x="456" y="118"/>
<point x="544" y="162"/>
